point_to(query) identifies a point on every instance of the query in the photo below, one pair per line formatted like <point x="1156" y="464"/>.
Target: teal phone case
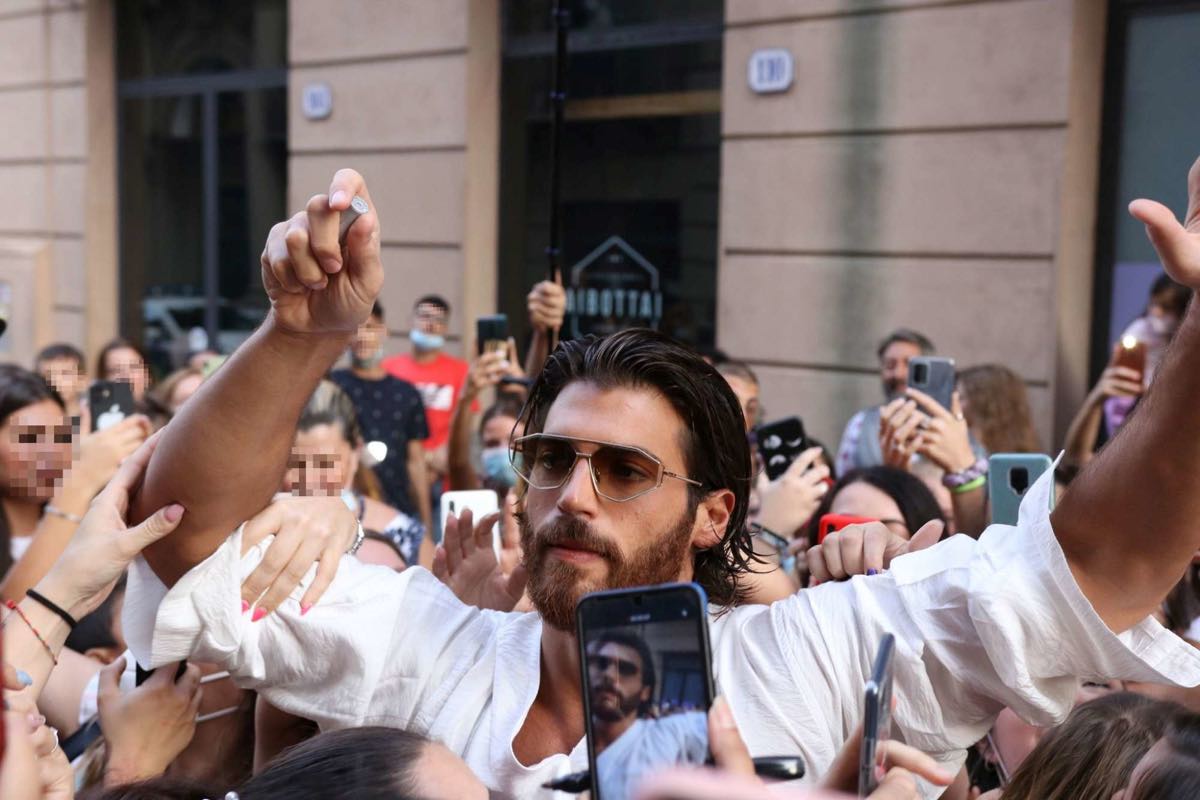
<point x="1010" y="475"/>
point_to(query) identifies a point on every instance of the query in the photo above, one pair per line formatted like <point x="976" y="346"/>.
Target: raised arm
<point x="224" y="455"/>
<point x="1131" y="521"/>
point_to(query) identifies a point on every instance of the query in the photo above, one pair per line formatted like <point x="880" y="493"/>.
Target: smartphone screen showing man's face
<point x="648" y="701"/>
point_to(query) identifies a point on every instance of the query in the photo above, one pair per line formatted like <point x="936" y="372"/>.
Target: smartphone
<point x="877" y="717"/>
<point x="647" y="677"/>
<point x="481" y="502"/>
<point x="491" y="334"/>
<point x="1009" y="476"/>
<point x="1131" y="353"/>
<point x="109" y="402"/>
<point x="832" y="523"/>
<point x="933" y="376"/>
<point x="779" y="443"/>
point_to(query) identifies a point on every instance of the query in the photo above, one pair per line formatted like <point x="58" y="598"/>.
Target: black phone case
<point x="938" y="379"/>
<point x="779" y="444"/>
<point x="105" y="395"/>
<point x="493" y="328"/>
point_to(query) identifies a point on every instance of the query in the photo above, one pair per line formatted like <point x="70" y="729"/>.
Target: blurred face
<point x="124" y="364"/>
<point x="747" y="395"/>
<point x="441" y="775"/>
<point x="65" y="376"/>
<point x="893" y="367"/>
<point x="430" y="318"/>
<point x="864" y="500"/>
<point x="321" y="463"/>
<point x="615" y="683"/>
<point x="35" y="451"/>
<point x="577" y="542"/>
<point x="1162" y="317"/>
<point x="1014" y="740"/>
<point x="368" y="339"/>
<point x="183" y="390"/>
<point x="495" y="432"/>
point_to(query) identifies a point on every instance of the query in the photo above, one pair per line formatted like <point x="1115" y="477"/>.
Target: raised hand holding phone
<point x="316" y="283"/>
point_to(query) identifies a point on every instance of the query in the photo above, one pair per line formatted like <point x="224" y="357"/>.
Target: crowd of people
<point x="244" y="583"/>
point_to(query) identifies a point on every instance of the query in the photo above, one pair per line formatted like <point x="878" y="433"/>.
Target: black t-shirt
<point x="389" y="411"/>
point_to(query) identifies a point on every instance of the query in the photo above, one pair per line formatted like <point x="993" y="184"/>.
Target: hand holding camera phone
<point x="109" y="402"/>
<point x="780" y="443"/>
<point x="647" y="679"/>
<point x="491" y="334"/>
<point x="935" y="377"/>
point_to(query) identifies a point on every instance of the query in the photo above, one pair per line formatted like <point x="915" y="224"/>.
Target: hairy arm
<point x="1128" y="524"/>
<point x="223" y="457"/>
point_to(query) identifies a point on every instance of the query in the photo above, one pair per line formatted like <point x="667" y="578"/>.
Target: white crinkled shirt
<point x="979" y="625"/>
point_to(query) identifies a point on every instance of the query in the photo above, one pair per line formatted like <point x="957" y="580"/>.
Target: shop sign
<point x="770" y="71"/>
<point x="612" y="288"/>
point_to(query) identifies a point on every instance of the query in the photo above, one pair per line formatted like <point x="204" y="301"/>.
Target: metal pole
<point x="212" y="273"/>
<point x="558" y="99"/>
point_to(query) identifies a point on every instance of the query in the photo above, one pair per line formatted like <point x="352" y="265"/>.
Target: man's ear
<point x="712" y="519"/>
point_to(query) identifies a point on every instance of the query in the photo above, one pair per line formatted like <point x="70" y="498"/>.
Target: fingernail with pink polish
<point x="258" y="614"/>
<point x="36" y="721"/>
<point x="305" y="608"/>
<point x="245" y="606"/>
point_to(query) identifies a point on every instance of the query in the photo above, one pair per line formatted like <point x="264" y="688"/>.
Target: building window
<point x="1150" y="142"/>
<point x="203" y="167"/>
<point x="640" y="162"/>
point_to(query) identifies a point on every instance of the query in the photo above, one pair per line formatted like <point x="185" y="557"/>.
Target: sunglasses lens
<point x="622" y="473"/>
<point x="545" y="463"/>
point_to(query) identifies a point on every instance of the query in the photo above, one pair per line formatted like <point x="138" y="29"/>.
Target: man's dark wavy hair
<point x="714" y="444"/>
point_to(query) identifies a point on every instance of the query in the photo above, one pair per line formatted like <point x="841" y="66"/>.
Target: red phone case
<point x="835" y="522"/>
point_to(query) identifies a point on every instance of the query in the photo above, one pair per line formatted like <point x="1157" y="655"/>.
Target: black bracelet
<point x="50" y="604"/>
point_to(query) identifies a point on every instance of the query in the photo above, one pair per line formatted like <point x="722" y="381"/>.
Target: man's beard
<point x="892" y="390"/>
<point x="555" y="586"/>
<point x="626" y="707"/>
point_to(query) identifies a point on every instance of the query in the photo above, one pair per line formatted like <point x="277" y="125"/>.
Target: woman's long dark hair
<point x="370" y="763"/>
<point x="19" y="388"/>
<point x="917" y="504"/>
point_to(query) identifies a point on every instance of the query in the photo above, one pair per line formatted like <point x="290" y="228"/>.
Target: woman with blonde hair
<point x="996" y="405"/>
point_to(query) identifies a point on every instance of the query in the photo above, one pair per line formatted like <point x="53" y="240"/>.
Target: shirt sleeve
<point x="352" y="660"/>
<point x="979" y="625"/>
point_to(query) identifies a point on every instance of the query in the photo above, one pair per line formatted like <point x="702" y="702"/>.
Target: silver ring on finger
<point x="55" y="748"/>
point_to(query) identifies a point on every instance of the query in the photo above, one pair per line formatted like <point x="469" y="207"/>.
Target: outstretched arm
<point x="223" y="456"/>
<point x="1131" y="521"/>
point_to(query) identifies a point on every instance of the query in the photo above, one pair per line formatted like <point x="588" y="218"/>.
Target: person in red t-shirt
<point x="438" y="377"/>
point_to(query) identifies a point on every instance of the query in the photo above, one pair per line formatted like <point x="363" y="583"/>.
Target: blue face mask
<point x="426" y="341"/>
<point x="497" y="470"/>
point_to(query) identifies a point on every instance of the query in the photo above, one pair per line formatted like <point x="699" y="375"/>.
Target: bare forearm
<point x="418" y="485"/>
<point x="539" y="351"/>
<point x="970" y="511"/>
<point x="223" y="456"/>
<point x="1081" y="436"/>
<point x="1128" y="522"/>
<point x="458" y="455"/>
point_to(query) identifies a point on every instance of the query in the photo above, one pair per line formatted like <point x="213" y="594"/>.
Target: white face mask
<point x="1162" y="326"/>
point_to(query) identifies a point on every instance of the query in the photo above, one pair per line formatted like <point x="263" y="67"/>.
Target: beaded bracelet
<point x="14" y="607"/>
<point x="954" y="480"/>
